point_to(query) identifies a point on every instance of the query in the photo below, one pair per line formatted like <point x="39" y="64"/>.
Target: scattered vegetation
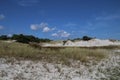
<point x="59" y="55"/>
<point x="4" y="37"/>
<point x="23" y="38"/>
<point x="86" y="38"/>
<point x="76" y="39"/>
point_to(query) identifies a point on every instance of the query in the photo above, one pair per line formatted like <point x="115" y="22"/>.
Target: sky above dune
<point x="61" y="19"/>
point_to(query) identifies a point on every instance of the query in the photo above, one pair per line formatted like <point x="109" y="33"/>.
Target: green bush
<point x="86" y="38"/>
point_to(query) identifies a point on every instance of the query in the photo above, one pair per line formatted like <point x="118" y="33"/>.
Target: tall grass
<point x="83" y="54"/>
<point x="17" y="50"/>
<point x="59" y="55"/>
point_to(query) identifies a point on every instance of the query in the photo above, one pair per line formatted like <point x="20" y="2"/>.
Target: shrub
<point x="28" y="38"/>
<point x="86" y="38"/>
<point x="3" y="37"/>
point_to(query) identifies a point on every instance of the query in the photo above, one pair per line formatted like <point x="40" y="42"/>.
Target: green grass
<point x="57" y="55"/>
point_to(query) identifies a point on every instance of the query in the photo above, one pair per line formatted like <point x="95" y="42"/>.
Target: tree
<point x="3" y="37"/>
<point x="28" y="38"/>
<point x="86" y="38"/>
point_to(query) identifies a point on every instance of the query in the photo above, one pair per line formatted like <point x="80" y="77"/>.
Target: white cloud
<point x="43" y="26"/>
<point x="2" y="16"/>
<point x="46" y="29"/>
<point x="61" y="33"/>
<point x="55" y="34"/>
<point x="34" y="27"/>
<point x="1" y="27"/>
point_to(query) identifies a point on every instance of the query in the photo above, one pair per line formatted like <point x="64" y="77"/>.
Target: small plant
<point x="64" y="42"/>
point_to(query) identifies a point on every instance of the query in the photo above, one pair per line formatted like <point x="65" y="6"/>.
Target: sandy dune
<point x="90" y="43"/>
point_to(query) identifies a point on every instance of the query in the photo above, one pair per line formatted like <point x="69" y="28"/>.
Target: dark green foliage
<point x="64" y="42"/>
<point x="86" y="38"/>
<point x="28" y="38"/>
<point x="24" y="38"/>
<point x="3" y="37"/>
<point x="45" y="40"/>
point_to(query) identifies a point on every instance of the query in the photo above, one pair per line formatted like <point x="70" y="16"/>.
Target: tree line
<point x="24" y="38"/>
<point x="84" y="38"/>
<point x="30" y="38"/>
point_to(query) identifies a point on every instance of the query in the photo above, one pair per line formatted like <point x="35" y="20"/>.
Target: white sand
<point x="90" y="43"/>
<point x="11" y="69"/>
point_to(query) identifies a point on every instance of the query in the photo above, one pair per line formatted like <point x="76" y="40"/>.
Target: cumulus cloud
<point x="43" y="26"/>
<point x="61" y="33"/>
<point x="34" y="27"/>
<point x="2" y="16"/>
<point x="46" y="29"/>
<point x="1" y="27"/>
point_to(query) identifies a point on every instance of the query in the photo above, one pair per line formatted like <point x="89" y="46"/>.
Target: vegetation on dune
<point x="30" y="38"/>
<point x="59" y="55"/>
<point x="84" y="38"/>
<point x="3" y="37"/>
<point x="23" y="38"/>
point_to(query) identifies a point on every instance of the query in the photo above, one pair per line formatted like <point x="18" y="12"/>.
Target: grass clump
<point x="55" y="54"/>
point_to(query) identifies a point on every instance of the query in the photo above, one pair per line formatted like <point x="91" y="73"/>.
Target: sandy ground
<point x="90" y="43"/>
<point x="107" y="69"/>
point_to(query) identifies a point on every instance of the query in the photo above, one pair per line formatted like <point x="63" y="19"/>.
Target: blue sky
<point x="61" y="19"/>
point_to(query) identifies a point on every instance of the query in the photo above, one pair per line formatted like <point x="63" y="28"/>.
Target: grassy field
<point x="57" y="55"/>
